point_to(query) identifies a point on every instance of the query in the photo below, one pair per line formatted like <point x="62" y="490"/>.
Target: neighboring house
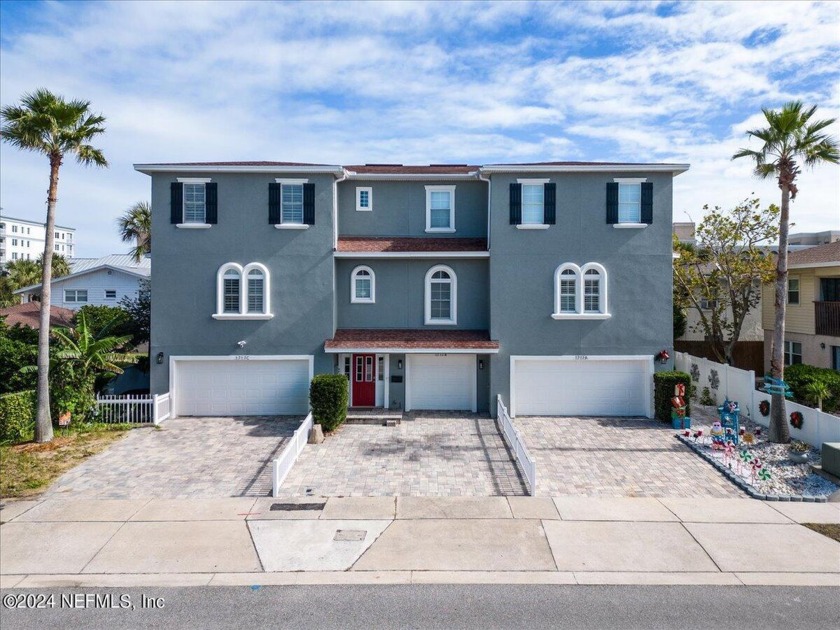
<point x="814" y="238"/>
<point x="98" y="281"/>
<point x="430" y="287"/>
<point x="812" y="318"/>
<point x="21" y="239"/>
<point x="29" y="313"/>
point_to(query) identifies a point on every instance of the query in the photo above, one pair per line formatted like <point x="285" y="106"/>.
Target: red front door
<point x="364" y="381"/>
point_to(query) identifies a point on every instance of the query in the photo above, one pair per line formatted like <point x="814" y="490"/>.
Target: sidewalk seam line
<point x="254" y="543"/>
<point x="550" y="548"/>
<point x="708" y="555"/>
<point x="370" y="546"/>
<point x="105" y="544"/>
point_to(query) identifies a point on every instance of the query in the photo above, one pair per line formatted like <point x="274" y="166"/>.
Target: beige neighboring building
<point x="812" y="323"/>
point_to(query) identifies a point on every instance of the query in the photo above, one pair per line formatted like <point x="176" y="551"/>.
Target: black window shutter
<point x="176" y="196"/>
<point x="515" y="204"/>
<point x="550" y="203"/>
<point x="309" y="204"/>
<point x="211" y="203"/>
<point x="647" y="202"/>
<point x="274" y="203"/>
<point x="612" y="203"/>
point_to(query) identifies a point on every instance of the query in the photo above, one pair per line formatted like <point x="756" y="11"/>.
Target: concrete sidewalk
<point x="388" y="540"/>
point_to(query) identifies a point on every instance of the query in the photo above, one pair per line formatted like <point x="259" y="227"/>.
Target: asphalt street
<point x="428" y="606"/>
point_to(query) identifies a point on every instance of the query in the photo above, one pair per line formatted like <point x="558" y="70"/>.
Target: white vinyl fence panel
<point x="133" y="409"/>
<point x="739" y="385"/>
<point x="517" y="445"/>
<point x="283" y="464"/>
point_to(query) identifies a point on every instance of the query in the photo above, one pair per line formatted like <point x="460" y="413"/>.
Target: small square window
<point x="793" y="353"/>
<point x="364" y="199"/>
<point x="110" y="294"/>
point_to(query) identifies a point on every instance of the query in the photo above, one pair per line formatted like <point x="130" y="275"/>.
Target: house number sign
<point x="242" y="357"/>
<point x="581" y="357"/>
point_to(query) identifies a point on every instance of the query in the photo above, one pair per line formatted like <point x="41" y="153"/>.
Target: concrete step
<point x="377" y="416"/>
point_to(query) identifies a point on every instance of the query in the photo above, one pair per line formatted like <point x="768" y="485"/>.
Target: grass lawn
<point x="27" y="469"/>
<point x="826" y="529"/>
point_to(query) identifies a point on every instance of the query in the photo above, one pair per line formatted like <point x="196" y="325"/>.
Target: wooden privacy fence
<point x="133" y="409"/>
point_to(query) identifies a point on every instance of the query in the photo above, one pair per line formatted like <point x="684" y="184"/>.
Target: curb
<point x="743" y="485"/>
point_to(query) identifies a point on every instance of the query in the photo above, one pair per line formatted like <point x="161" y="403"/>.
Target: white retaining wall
<point x="739" y="385"/>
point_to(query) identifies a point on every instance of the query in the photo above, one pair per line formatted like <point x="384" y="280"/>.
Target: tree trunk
<point x="779" y="431"/>
<point x="43" y="425"/>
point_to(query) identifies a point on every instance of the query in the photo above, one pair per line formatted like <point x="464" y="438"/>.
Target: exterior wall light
<point x="481" y="364"/>
<point x="663" y="356"/>
<point x="159" y="358"/>
<point x="399" y="364"/>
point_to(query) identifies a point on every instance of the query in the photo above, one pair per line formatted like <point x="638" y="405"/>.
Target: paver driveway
<point x="617" y="457"/>
<point x="429" y="454"/>
<point x="185" y="458"/>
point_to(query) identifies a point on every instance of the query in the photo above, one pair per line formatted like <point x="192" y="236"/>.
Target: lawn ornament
<point x="729" y="418"/>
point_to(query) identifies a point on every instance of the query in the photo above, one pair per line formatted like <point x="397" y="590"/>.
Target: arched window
<point x="243" y="292"/>
<point x="363" y="286"/>
<point x="580" y="293"/>
<point x="441" y="295"/>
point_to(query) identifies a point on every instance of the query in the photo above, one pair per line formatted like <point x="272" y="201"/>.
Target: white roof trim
<point x="481" y="254"/>
<point x="587" y="168"/>
<point x="815" y="265"/>
<point x="6" y="217"/>
<point x="82" y="273"/>
<point x="148" y="169"/>
<point x="402" y="350"/>
<point x="411" y="176"/>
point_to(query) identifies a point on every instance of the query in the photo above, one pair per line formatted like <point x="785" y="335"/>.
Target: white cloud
<point x="421" y="82"/>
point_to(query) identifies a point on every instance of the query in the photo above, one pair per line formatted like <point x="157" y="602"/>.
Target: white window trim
<point x="359" y="190"/>
<point x="243" y="292"/>
<point x="579" y="292"/>
<point x="193" y="226"/>
<point x="453" y="297"/>
<point x="533" y="182"/>
<point x="451" y="191"/>
<point x="628" y="224"/>
<point x="532" y="226"/>
<point x="75" y="299"/>
<point x="798" y="291"/>
<point x="357" y="300"/>
<point x="194" y="180"/>
<point x="286" y="225"/>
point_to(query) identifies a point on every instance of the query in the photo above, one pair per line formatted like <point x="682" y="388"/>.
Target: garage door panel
<point x="442" y="382"/>
<point x="238" y="388"/>
<point x="577" y="388"/>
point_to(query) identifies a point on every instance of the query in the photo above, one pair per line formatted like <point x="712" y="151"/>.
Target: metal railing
<point x="517" y="445"/>
<point x="133" y="409"/>
<point x="827" y="318"/>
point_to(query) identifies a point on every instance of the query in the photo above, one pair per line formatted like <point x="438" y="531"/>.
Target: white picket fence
<point x="517" y="445"/>
<point x="133" y="409"/>
<point x="283" y="464"/>
<point x="739" y="385"/>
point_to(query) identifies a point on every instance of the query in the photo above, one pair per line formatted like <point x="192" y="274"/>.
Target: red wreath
<point x="764" y="408"/>
<point x="796" y="420"/>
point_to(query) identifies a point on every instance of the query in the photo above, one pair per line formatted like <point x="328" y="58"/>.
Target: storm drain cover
<point x="354" y="535"/>
<point x="296" y="507"/>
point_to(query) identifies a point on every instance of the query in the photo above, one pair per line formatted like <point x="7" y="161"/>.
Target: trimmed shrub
<point x="328" y="397"/>
<point x="799" y="377"/>
<point x="17" y="416"/>
<point x="663" y="386"/>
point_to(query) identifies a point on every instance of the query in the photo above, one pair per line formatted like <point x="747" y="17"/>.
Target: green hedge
<point x="664" y="383"/>
<point x="800" y="376"/>
<point x="17" y="416"/>
<point x="328" y="397"/>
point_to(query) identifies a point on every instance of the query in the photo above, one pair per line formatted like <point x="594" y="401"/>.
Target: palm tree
<point x="88" y="353"/>
<point x="790" y="137"/>
<point x="135" y="225"/>
<point x="22" y="273"/>
<point x="60" y="265"/>
<point x="45" y="123"/>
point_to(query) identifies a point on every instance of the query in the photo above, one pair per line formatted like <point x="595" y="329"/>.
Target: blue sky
<point x="418" y="83"/>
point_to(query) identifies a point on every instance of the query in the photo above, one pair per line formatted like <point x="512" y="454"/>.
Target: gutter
<point x="489" y="197"/>
<point x="587" y="168"/>
<point x="148" y="169"/>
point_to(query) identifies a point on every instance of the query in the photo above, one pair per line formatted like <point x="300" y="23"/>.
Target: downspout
<point x="335" y="245"/>
<point x="489" y="190"/>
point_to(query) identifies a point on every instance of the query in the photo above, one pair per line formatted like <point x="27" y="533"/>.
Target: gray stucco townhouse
<point x="430" y="287"/>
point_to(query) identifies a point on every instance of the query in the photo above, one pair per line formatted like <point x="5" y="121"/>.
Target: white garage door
<point x="242" y="388"/>
<point x="591" y="387"/>
<point x="441" y="382"/>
